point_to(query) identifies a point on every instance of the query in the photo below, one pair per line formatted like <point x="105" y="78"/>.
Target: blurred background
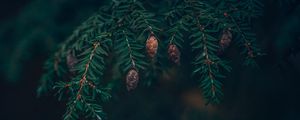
<point x="31" y="29"/>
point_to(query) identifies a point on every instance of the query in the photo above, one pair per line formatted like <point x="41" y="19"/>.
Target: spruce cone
<point x="132" y="79"/>
<point x="151" y="46"/>
<point x="71" y="61"/>
<point x="225" y="39"/>
<point x="174" y="54"/>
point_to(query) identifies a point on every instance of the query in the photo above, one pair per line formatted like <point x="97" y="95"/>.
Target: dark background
<point x="30" y="29"/>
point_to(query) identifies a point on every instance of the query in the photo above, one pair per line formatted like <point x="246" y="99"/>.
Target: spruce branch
<point x="131" y="23"/>
<point x="247" y="42"/>
<point x="130" y="57"/>
<point x="83" y="81"/>
<point x="208" y="64"/>
<point x="88" y="81"/>
<point x="129" y="49"/>
<point x="127" y="30"/>
<point x="176" y="31"/>
<point x="202" y="21"/>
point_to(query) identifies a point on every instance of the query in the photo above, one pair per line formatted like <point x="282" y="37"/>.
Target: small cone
<point x="174" y="54"/>
<point x="132" y="79"/>
<point x="71" y="61"/>
<point x="225" y="39"/>
<point x="151" y="46"/>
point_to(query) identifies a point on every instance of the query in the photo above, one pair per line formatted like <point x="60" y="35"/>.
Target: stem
<point x="208" y="61"/>
<point x="129" y="49"/>
<point x="172" y="38"/>
<point x="83" y="80"/>
<point x="247" y="43"/>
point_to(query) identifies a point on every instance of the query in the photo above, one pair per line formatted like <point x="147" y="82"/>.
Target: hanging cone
<point x="71" y="61"/>
<point x="151" y="46"/>
<point x="132" y="79"/>
<point x="174" y="54"/>
<point x="225" y="39"/>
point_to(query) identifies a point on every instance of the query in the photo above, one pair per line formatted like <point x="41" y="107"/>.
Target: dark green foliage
<point x="201" y="22"/>
<point x="54" y="73"/>
<point x="119" y="32"/>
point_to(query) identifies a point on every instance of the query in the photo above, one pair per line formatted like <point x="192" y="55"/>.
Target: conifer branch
<point x="176" y="31"/>
<point x="83" y="80"/>
<point x="250" y="50"/>
<point x="127" y="33"/>
<point x="129" y="49"/>
<point x="208" y="65"/>
<point x="247" y="44"/>
<point x="87" y="79"/>
<point x="127" y="29"/>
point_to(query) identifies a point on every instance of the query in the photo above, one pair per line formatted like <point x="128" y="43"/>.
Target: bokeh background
<point x="31" y="29"/>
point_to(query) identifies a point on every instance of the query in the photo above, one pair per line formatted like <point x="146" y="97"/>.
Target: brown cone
<point x="225" y="39"/>
<point x="132" y="79"/>
<point x="174" y="54"/>
<point x="71" y="61"/>
<point x="151" y="46"/>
